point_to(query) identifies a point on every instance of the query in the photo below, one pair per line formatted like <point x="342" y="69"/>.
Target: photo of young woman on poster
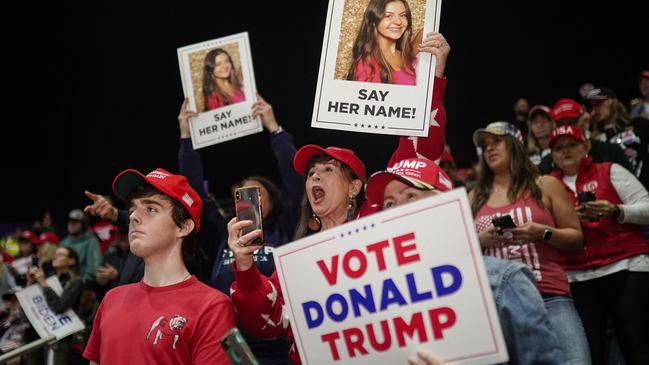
<point x="385" y="49"/>
<point x="222" y="82"/>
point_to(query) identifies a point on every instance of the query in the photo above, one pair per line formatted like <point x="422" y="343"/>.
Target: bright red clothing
<point x="216" y="100"/>
<point x="260" y="307"/>
<point x="182" y="323"/>
<point x="104" y="231"/>
<point x="605" y="241"/>
<point x="543" y="259"/>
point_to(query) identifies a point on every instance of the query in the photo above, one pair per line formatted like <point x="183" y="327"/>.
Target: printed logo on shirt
<point x="590" y="186"/>
<point x="163" y="329"/>
<point x="264" y="254"/>
<point x="523" y="252"/>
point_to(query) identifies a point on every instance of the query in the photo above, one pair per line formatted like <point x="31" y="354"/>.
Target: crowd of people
<point x="164" y="280"/>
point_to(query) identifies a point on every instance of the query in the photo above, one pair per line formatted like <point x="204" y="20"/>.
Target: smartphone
<point x="502" y="222"/>
<point x="35" y="261"/>
<point x="247" y="202"/>
<point x="237" y="349"/>
<point x="585" y="197"/>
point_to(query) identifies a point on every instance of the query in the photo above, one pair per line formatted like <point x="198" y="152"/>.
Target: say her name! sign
<point x="354" y="96"/>
<point x="219" y="81"/>
<point x="377" y="289"/>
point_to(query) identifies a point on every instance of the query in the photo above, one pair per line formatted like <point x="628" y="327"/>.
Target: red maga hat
<point x="565" y="108"/>
<point x="50" y="237"/>
<point x="418" y="172"/>
<point x="175" y="186"/>
<point x="567" y="131"/>
<point x="342" y="155"/>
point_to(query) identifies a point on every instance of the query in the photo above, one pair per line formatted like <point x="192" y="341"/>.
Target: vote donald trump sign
<point x="377" y="289"/>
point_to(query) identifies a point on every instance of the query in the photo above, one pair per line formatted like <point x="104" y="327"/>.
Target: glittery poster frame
<point x="366" y="107"/>
<point x="230" y="121"/>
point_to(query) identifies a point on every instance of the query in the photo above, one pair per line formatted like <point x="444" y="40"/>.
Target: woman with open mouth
<point x="334" y="178"/>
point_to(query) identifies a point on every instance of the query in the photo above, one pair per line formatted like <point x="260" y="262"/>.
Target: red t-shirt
<point x="182" y="323"/>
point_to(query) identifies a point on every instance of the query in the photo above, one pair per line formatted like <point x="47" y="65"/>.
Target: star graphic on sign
<point x="433" y="122"/>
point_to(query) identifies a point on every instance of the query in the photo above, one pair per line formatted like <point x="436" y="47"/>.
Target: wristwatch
<point x="277" y="131"/>
<point x="547" y="233"/>
<point x="616" y="211"/>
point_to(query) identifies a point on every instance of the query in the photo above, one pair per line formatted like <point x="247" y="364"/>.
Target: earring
<point x="314" y="223"/>
<point x="351" y="205"/>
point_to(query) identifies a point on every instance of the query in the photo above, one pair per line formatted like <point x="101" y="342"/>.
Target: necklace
<point x="497" y="188"/>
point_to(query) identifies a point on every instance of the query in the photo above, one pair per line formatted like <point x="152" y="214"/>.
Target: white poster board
<point x="42" y="318"/>
<point x="344" y="102"/>
<point x="224" y="67"/>
<point x="375" y="290"/>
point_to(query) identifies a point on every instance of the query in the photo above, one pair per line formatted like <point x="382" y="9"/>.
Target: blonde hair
<point x="46" y="252"/>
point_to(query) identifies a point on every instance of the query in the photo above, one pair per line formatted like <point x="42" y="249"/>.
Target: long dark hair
<point x="306" y="213"/>
<point x="366" y="47"/>
<point x="619" y="116"/>
<point x="524" y="175"/>
<point x="72" y="254"/>
<point x="209" y="84"/>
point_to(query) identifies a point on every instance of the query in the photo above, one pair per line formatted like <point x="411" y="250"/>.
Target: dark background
<point x="97" y="89"/>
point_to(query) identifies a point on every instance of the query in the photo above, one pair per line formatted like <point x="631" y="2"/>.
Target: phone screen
<point x="248" y="207"/>
<point x="237" y="349"/>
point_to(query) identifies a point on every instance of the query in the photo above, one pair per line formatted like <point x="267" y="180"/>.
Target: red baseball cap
<point x="565" y="108"/>
<point x="418" y="172"/>
<point x="342" y="155"/>
<point x="567" y="131"/>
<point x="174" y="186"/>
<point x="50" y="237"/>
<point x="31" y="237"/>
<point x="644" y="74"/>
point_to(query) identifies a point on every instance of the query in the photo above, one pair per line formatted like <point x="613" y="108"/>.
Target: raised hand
<point x="240" y="245"/>
<point x="262" y="109"/>
<point x="100" y="207"/>
<point x="436" y="44"/>
<point x="183" y="119"/>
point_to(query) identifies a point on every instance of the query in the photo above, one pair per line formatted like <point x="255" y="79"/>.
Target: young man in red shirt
<point x="169" y="317"/>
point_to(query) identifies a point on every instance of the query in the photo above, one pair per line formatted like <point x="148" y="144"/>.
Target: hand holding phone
<point x="35" y="261"/>
<point x="584" y="197"/>
<point x="237" y="349"/>
<point x="503" y="222"/>
<point x="247" y="202"/>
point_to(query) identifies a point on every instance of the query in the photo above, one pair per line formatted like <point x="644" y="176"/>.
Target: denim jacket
<point x="524" y="321"/>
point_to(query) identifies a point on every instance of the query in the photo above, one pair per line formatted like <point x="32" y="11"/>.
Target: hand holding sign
<point x="183" y="119"/>
<point x="436" y="44"/>
<point x="100" y="207"/>
<point x="262" y="109"/>
<point x="424" y="358"/>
